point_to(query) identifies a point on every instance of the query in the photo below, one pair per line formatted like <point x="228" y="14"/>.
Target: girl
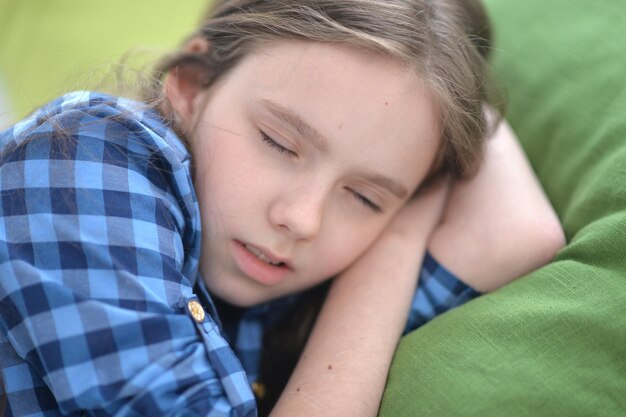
<point x="146" y="247"/>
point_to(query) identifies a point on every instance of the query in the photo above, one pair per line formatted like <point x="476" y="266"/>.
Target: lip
<point x="255" y="268"/>
<point x="268" y="254"/>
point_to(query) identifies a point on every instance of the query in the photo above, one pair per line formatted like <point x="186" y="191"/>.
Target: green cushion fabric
<point x="552" y="343"/>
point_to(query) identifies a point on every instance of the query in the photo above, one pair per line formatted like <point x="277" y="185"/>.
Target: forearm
<point x="343" y="369"/>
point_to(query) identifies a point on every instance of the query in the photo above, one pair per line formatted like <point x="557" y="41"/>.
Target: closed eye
<point x="366" y="201"/>
<point x="275" y="145"/>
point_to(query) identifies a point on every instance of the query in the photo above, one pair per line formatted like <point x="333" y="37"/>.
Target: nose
<point x="298" y="213"/>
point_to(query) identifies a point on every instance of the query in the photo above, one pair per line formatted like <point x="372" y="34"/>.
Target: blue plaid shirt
<point x="102" y="311"/>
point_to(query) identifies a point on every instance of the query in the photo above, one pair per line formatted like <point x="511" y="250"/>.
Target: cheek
<point x="225" y="179"/>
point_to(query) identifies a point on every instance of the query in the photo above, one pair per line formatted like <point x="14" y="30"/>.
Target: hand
<point x="401" y="245"/>
<point x="421" y="214"/>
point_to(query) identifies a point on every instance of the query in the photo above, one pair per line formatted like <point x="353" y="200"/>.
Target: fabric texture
<point x="553" y="342"/>
<point x="101" y="305"/>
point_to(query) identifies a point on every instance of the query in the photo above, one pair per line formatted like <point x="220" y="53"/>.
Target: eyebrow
<point x="295" y="121"/>
<point x="319" y="141"/>
<point x="387" y="183"/>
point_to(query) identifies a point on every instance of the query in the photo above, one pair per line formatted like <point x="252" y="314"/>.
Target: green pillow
<point x="552" y="343"/>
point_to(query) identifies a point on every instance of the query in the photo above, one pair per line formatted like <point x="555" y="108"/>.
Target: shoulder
<point x="90" y="158"/>
<point x="86" y="131"/>
<point x="91" y="115"/>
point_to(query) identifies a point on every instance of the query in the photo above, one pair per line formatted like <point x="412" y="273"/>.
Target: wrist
<point x="395" y="255"/>
<point x="403" y="240"/>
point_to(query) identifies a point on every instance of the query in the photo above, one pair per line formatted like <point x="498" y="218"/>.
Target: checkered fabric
<point x="438" y="291"/>
<point x="99" y="245"/>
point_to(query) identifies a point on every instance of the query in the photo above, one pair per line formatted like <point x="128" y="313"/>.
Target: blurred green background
<point x="48" y="48"/>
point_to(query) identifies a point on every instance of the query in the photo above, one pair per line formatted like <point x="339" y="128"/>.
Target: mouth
<point x="260" y="264"/>
<point x="262" y="256"/>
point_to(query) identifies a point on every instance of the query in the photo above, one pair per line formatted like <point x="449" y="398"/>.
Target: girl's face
<point x="303" y="152"/>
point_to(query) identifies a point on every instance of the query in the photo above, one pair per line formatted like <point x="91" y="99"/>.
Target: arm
<point x="344" y="366"/>
<point x="499" y="225"/>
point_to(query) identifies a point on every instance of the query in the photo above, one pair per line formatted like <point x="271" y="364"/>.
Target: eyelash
<point x="367" y="202"/>
<point x="284" y="151"/>
<point x="275" y="145"/>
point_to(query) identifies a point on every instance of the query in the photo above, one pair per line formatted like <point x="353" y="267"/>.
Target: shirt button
<point x="259" y="390"/>
<point x="196" y="310"/>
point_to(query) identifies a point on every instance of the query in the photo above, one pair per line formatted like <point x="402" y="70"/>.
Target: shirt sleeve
<point x="438" y="290"/>
<point x="95" y="292"/>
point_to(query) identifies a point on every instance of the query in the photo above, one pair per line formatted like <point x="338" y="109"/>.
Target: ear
<point x="184" y="82"/>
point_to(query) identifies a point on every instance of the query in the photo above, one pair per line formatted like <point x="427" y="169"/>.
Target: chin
<point x="243" y="298"/>
<point x="243" y="302"/>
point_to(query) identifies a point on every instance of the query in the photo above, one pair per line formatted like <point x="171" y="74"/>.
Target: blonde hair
<point x="445" y="41"/>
